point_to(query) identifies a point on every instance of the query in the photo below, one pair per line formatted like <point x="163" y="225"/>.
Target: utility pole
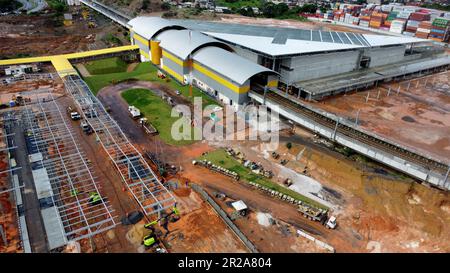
<point x="357" y="117"/>
<point x="335" y="129"/>
<point x="265" y="95"/>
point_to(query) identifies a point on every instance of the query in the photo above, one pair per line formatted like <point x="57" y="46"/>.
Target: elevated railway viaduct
<point x="417" y="165"/>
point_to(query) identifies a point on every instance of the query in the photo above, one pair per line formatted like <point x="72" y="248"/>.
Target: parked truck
<point x="148" y="128"/>
<point x="319" y="215"/>
<point x="134" y="112"/>
<point x="74" y="115"/>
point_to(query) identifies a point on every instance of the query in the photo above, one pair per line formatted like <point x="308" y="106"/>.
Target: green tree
<point x="165" y="6"/>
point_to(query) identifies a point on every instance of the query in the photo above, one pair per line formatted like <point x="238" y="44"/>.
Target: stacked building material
<point x="397" y="26"/>
<point x="439" y="29"/>
<point x="424" y="29"/>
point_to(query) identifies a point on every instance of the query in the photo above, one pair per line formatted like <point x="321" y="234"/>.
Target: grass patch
<point x="106" y="66"/>
<point x="145" y="72"/>
<point x="157" y="111"/>
<point x="220" y="157"/>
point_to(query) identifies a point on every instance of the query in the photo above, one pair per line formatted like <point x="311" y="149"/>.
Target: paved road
<point x="35" y="225"/>
<point x="33" y="5"/>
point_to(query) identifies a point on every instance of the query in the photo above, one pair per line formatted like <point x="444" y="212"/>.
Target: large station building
<point x="228" y="60"/>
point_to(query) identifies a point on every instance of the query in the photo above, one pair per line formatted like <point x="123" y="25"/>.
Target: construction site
<point x="89" y="165"/>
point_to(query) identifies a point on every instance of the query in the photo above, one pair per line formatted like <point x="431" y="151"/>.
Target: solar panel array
<point x="280" y="35"/>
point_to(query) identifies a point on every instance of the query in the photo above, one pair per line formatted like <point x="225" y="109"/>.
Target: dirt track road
<point x="110" y="96"/>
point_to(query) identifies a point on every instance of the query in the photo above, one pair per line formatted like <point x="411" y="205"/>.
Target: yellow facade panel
<point x="174" y="74"/>
<point x="155" y="49"/>
<point x="273" y="83"/>
<point x="219" y="79"/>
<point x="141" y="39"/>
<point x="174" y="58"/>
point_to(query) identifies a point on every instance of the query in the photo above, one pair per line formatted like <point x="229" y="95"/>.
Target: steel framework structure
<point x="152" y="196"/>
<point x="13" y="189"/>
<point x="72" y="181"/>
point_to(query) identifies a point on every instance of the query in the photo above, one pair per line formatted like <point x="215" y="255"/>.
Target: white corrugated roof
<point x="183" y="42"/>
<point x="231" y="65"/>
<point x="292" y="46"/>
<point x="147" y="27"/>
<point x="42" y="183"/>
<point x="382" y="40"/>
<point x="53" y="229"/>
<point x="239" y="205"/>
<point x="265" y="45"/>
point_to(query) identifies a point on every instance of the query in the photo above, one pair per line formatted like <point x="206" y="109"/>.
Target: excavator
<point x="150" y="239"/>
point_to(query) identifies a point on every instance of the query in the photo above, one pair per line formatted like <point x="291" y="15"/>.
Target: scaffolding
<point x="52" y="148"/>
<point x="136" y="174"/>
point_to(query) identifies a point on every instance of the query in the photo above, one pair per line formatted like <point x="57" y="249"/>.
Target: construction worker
<point x="74" y="192"/>
<point x="94" y="198"/>
<point x="148" y="240"/>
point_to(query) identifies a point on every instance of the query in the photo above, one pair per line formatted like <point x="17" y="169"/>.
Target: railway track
<point x="357" y="135"/>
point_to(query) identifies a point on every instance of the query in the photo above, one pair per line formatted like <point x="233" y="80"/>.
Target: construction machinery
<point x="216" y="168"/>
<point x="74" y="115"/>
<point x="86" y="128"/>
<point x="164" y="219"/>
<point x="275" y="155"/>
<point x="92" y="24"/>
<point x="19" y="99"/>
<point x="319" y="215"/>
<point x="287" y="182"/>
<point x="94" y="198"/>
<point x="135" y="113"/>
<point x="148" y="128"/>
<point x="149" y="240"/>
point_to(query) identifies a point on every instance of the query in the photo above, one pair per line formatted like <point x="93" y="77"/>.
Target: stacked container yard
<point x="328" y="15"/>
<point x="386" y="8"/>
<point x="377" y="19"/>
<point x="364" y="18"/>
<point x="440" y="29"/>
<point x="424" y="29"/>
<point x="414" y="20"/>
<point x="397" y="26"/>
<point x="391" y="17"/>
<point x="407" y="20"/>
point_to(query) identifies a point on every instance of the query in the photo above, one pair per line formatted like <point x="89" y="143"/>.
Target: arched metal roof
<point x="182" y="43"/>
<point x="228" y="64"/>
<point x="148" y="27"/>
